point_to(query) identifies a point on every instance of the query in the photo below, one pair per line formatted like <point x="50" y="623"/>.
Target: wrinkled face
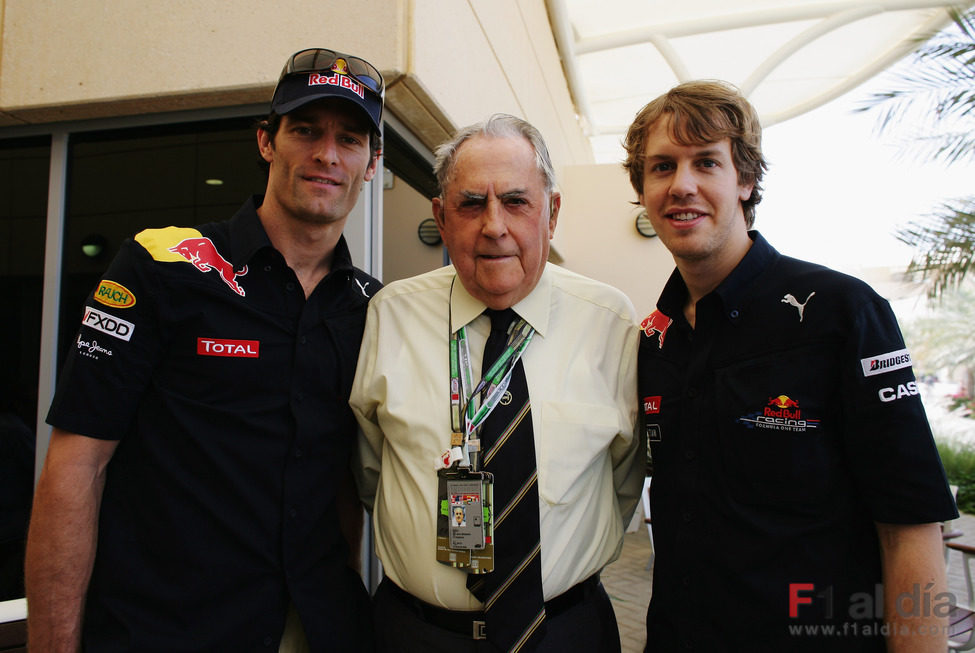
<point x="693" y="198"/>
<point x="319" y="160"/>
<point x="496" y="219"/>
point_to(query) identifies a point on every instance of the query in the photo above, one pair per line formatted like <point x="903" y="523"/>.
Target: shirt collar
<point x="247" y="237"/>
<point x="535" y="308"/>
<point x="730" y="291"/>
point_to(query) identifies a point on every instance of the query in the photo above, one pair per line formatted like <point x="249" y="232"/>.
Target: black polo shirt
<point x="780" y="428"/>
<point x="227" y="391"/>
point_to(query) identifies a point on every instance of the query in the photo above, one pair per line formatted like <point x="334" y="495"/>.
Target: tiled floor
<point x="628" y="581"/>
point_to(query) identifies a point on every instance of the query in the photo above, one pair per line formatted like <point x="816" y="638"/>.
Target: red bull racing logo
<point x="205" y="257"/>
<point x="781" y="413"/>
<point x="657" y="323"/>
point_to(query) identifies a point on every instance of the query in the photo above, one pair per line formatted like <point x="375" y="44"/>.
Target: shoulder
<point x="367" y="284"/>
<point x="580" y="290"/>
<point x="433" y="282"/>
<point x="172" y="244"/>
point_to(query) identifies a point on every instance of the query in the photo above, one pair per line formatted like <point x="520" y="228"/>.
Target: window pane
<point x="24" y="169"/>
<point x="123" y="181"/>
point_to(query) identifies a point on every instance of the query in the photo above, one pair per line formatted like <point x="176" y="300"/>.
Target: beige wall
<point x="403" y="253"/>
<point x="448" y="62"/>
<point x="597" y="237"/>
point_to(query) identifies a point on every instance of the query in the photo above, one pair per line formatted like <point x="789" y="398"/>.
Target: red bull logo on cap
<point x="202" y="253"/>
<point x="340" y="77"/>
<point x="657" y="323"/>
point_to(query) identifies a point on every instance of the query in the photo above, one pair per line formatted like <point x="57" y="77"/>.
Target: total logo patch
<point x="106" y="323"/>
<point x="114" y="294"/>
<point x="781" y="413"/>
<point x="651" y="405"/>
<point x="884" y="363"/>
<point x="230" y="348"/>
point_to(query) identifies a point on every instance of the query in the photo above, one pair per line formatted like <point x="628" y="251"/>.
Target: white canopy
<point x="787" y="56"/>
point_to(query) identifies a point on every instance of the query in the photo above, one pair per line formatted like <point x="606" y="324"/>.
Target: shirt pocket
<point x="778" y="427"/>
<point x="575" y="443"/>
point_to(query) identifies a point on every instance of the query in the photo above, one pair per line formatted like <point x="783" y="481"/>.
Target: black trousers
<point x="587" y="626"/>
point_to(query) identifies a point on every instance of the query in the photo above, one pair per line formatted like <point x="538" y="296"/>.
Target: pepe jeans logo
<point x="91" y="349"/>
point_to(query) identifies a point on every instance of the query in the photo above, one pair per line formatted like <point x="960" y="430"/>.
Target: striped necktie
<point x="512" y="594"/>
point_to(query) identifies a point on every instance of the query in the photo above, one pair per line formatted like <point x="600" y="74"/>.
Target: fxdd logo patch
<point x="113" y="326"/>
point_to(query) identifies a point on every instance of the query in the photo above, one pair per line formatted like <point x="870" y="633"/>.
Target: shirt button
<point x="734" y="314"/>
<point x="298" y="453"/>
<point x="689" y="455"/>
<point x="692" y="392"/>
<point x="289" y="286"/>
<point x="267" y="268"/>
<point x="303" y="340"/>
<point x="292" y="511"/>
<point x="268" y="640"/>
<point x="299" y="396"/>
<point x="688" y="516"/>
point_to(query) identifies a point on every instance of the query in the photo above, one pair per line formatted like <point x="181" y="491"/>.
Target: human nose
<point x="326" y="150"/>
<point x="683" y="182"/>
<point x="493" y="223"/>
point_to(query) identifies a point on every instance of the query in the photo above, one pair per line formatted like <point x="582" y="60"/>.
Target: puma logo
<point x="792" y="301"/>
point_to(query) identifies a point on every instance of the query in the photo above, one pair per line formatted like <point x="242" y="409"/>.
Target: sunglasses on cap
<point x="317" y="59"/>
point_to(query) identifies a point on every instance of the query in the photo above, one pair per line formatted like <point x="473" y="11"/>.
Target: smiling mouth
<point x="684" y="217"/>
<point x="322" y="180"/>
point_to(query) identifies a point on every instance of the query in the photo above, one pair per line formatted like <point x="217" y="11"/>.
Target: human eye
<point x="708" y="163"/>
<point x="661" y="166"/>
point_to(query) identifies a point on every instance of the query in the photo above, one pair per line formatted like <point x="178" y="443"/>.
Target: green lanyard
<point x="470" y="406"/>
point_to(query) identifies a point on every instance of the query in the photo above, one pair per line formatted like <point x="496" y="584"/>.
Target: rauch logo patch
<point x="114" y="294"/>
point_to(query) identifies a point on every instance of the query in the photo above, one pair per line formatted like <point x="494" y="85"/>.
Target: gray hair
<point x="500" y="125"/>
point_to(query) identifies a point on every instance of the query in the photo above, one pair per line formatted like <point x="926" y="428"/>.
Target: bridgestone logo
<point x="884" y="363"/>
<point x="113" y="326"/>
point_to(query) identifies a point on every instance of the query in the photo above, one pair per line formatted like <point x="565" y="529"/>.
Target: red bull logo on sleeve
<point x="657" y="323"/>
<point x="204" y="256"/>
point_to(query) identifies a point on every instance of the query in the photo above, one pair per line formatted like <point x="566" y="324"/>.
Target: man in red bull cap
<point x="797" y="491"/>
<point x="544" y="451"/>
<point x="197" y="489"/>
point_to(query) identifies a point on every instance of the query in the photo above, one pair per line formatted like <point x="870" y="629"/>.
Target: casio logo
<point x="908" y="389"/>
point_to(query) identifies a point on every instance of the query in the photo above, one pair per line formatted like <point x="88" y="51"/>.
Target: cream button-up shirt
<point x="581" y="373"/>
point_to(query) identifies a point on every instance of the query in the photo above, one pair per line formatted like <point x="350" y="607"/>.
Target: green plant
<point x="959" y="464"/>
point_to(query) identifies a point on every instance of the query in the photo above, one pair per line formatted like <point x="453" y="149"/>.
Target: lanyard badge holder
<point x="465" y="514"/>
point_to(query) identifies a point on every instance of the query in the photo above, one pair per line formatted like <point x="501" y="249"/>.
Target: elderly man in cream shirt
<point x="497" y="211"/>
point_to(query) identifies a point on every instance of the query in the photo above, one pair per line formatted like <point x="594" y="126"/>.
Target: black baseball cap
<point x="319" y="73"/>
